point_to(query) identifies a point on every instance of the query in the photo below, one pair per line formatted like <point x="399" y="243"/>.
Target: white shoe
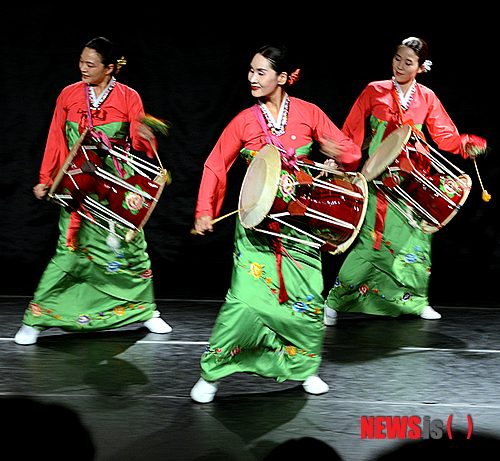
<point x="330" y="317"/>
<point x="315" y="385"/>
<point x="26" y="335"/>
<point x="157" y="325"/>
<point x="204" y="391"/>
<point x="430" y="314"/>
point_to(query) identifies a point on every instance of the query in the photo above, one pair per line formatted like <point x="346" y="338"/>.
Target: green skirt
<point x="254" y="332"/>
<point x="93" y="287"/>
<point x="393" y="280"/>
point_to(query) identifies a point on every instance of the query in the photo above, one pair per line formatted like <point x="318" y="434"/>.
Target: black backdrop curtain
<point x="190" y="67"/>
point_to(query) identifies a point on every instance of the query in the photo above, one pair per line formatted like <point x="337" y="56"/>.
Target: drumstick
<point x="156" y="125"/>
<point x="485" y="196"/>
<point x="327" y="173"/>
<point x="220" y="218"/>
<point x="50" y="179"/>
<point x="156" y="153"/>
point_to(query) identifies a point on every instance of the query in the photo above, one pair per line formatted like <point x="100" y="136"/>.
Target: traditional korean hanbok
<point x="271" y="323"/>
<point x="387" y="270"/>
<point x="89" y="285"/>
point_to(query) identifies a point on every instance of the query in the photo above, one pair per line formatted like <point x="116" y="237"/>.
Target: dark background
<point x="189" y="64"/>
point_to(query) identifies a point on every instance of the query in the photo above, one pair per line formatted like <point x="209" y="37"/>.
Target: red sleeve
<point x="214" y="180"/>
<point x="325" y="128"/>
<point x="135" y="114"/>
<point x="354" y="125"/>
<point x="441" y="128"/>
<point x="56" y="149"/>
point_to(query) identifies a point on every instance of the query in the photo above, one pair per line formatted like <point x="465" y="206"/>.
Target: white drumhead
<point x="386" y="153"/>
<point x="259" y="187"/>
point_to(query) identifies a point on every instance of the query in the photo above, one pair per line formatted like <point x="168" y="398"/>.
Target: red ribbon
<point x="278" y="252"/>
<point x="380" y="214"/>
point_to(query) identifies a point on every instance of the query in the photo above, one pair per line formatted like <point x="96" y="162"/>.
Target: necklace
<point x="277" y="128"/>
<point x="405" y="101"/>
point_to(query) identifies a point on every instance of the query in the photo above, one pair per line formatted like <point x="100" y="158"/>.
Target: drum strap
<point x="410" y="122"/>
<point x="75" y="219"/>
<point x="99" y="135"/>
<point x="382" y="203"/>
<point x="270" y="138"/>
<point x="289" y="158"/>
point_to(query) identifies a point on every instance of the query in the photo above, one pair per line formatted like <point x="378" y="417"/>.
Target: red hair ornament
<point x="294" y="77"/>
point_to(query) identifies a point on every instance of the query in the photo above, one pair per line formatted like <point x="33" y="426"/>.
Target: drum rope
<point x="289" y="237"/>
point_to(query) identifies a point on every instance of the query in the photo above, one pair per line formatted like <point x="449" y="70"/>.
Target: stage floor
<point x="130" y="388"/>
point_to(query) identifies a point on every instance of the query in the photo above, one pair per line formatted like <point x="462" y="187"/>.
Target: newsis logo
<point x="402" y="427"/>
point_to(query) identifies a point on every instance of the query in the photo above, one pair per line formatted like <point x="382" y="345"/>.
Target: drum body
<point x="125" y="203"/>
<point x="80" y="179"/>
<point x="443" y="205"/>
<point x="333" y="208"/>
<point x="339" y="204"/>
<point x="130" y="204"/>
<point x="401" y="166"/>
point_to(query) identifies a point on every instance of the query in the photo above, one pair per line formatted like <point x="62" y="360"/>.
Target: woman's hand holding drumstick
<point x="472" y="146"/>
<point x="40" y="191"/>
<point x="202" y="224"/>
<point x="332" y="150"/>
<point x="205" y="223"/>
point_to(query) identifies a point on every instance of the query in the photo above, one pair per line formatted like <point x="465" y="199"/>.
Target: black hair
<point x="281" y="61"/>
<point x="418" y="46"/>
<point x="106" y="50"/>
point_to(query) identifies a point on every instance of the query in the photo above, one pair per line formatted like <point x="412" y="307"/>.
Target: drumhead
<point x="358" y="180"/>
<point x="259" y="187"/>
<point x="386" y="153"/>
<point x="162" y="180"/>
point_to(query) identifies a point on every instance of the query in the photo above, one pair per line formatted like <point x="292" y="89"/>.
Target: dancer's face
<point x="405" y="65"/>
<point x="93" y="70"/>
<point x="264" y="81"/>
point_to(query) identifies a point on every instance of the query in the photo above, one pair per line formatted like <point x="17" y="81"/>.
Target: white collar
<point x="276" y="123"/>
<point x="405" y="99"/>
<point x="96" y="101"/>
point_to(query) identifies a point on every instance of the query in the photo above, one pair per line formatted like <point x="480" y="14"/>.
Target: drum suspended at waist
<point x="82" y="183"/>
<point x="334" y="208"/>
<point x="401" y="167"/>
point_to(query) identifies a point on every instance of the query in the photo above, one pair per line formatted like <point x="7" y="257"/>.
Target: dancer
<point x="271" y="323"/>
<point x="88" y="285"/>
<point x="387" y="271"/>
